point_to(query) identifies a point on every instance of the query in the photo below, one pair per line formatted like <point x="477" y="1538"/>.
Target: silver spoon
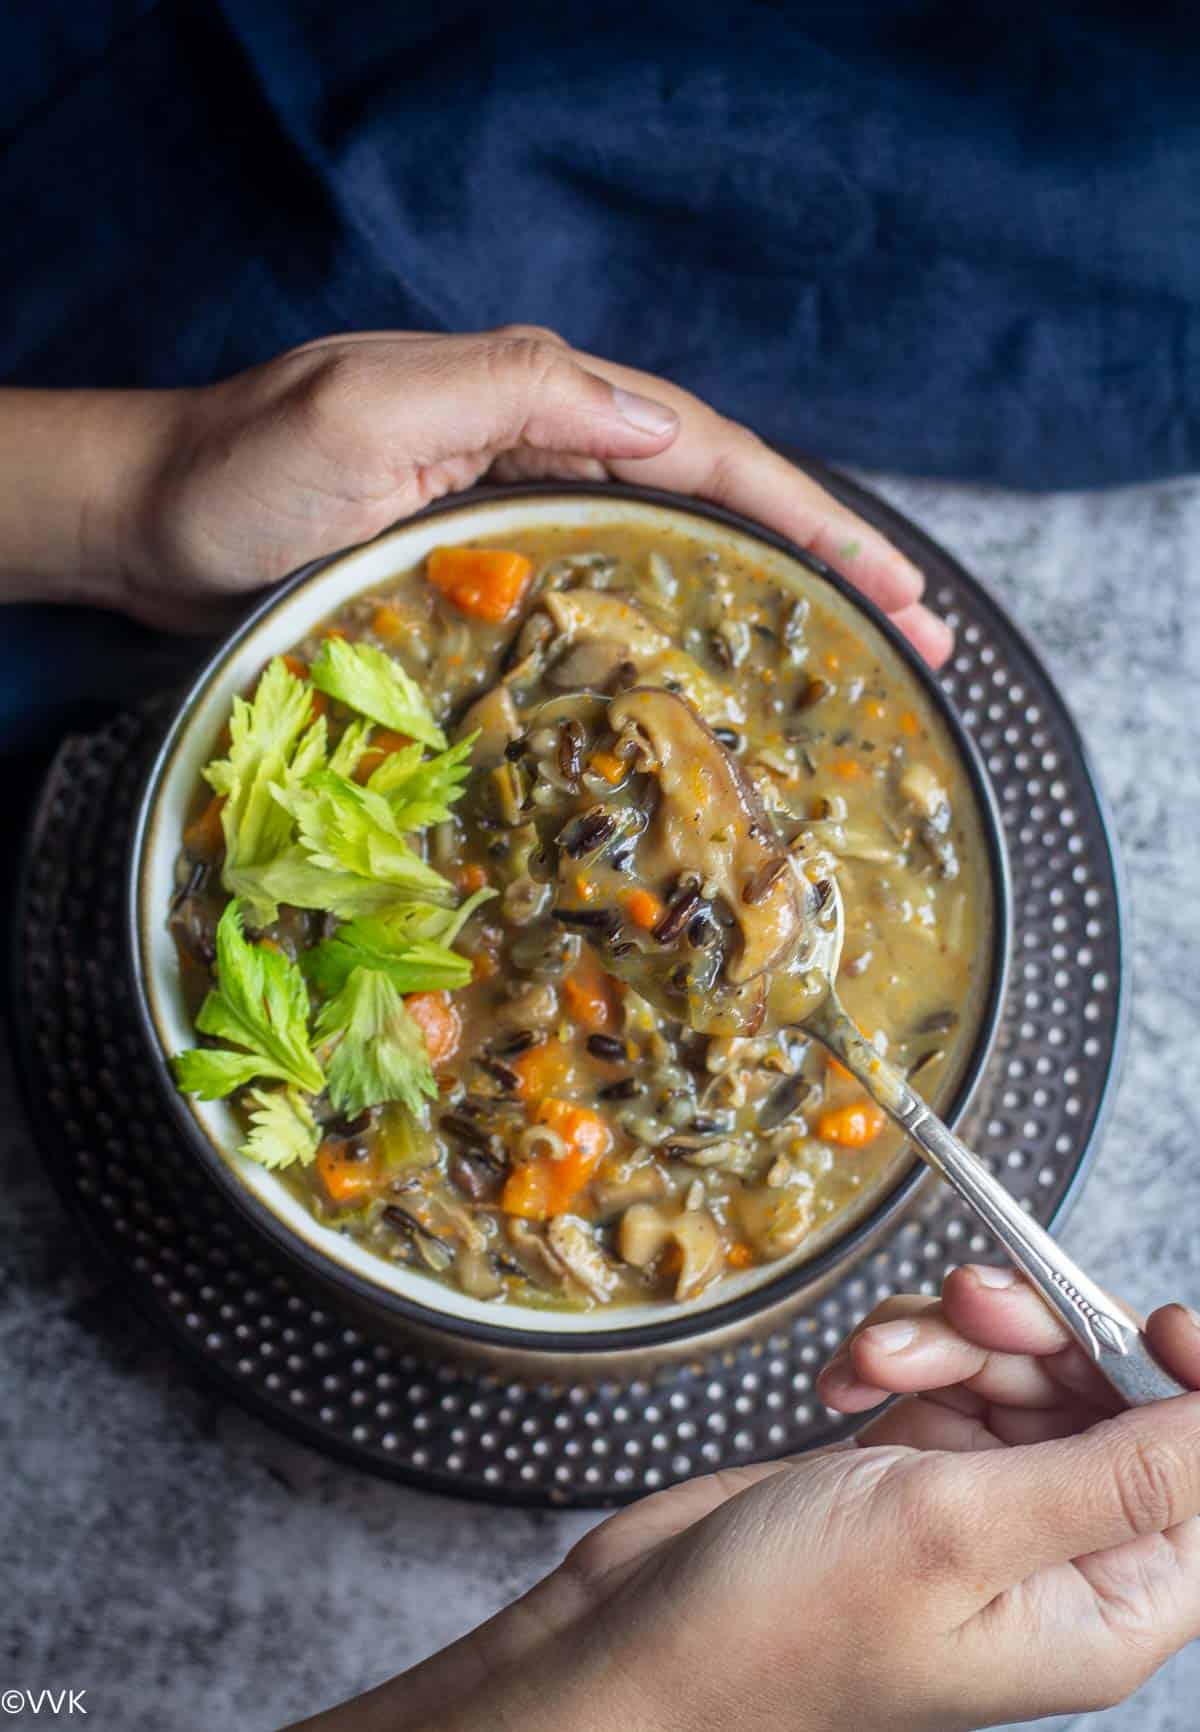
<point x="1108" y="1333"/>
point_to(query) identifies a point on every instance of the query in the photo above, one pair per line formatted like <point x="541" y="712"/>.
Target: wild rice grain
<point x="606" y="1046"/>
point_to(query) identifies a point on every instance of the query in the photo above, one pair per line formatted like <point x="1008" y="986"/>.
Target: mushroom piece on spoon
<point x="680" y="879"/>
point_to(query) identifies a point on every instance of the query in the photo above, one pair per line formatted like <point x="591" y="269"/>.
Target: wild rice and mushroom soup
<point x="435" y="833"/>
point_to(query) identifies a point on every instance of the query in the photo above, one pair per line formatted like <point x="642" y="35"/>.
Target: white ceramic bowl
<point x="517" y="1334"/>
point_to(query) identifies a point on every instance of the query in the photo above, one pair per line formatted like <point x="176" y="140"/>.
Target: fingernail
<point x="1192" y="1316"/>
<point x="916" y="578"/>
<point x="892" y="1337"/>
<point x="988" y="1276"/>
<point x="838" y="1374"/>
<point x="944" y="632"/>
<point x="643" y="412"/>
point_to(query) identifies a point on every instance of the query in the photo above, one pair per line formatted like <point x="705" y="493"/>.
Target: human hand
<point x="984" y="1365"/>
<point x="998" y="1546"/>
<point x="333" y="442"/>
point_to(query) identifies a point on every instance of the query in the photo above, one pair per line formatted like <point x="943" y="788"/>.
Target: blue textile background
<point x="956" y="240"/>
<point x="960" y="240"/>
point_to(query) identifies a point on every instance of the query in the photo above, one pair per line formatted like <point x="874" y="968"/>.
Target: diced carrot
<point x="488" y="583"/>
<point x="273" y="945"/>
<point x="471" y="878"/>
<point x="875" y="709"/>
<point x="387" y="740"/>
<point x="436" y="1015"/>
<point x="849" y="769"/>
<point x="585" y="888"/>
<point x="204" y="838"/>
<point x="549" y="1184"/>
<point x="345" y="1180"/>
<point x="527" y="1191"/>
<point x="740" y="1256"/>
<point x="296" y="667"/>
<point x="384" y="741"/>
<point x="909" y="724"/>
<point x="608" y="765"/>
<point x="583" y="1131"/>
<point x="833" y="661"/>
<point x="644" y="908"/>
<point x="389" y="623"/>
<point x="541" y="1070"/>
<point x="588" y="994"/>
<point x="333" y="631"/>
<point x="485" y="966"/>
<point x="853" y="1127"/>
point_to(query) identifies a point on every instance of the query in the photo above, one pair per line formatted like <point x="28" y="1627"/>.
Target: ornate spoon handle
<point x="1109" y="1334"/>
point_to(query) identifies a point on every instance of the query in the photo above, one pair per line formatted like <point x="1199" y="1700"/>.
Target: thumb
<point x="522" y="386"/>
<point x="1027" y="1508"/>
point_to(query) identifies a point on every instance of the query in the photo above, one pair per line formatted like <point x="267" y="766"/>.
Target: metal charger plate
<point x="191" y="1262"/>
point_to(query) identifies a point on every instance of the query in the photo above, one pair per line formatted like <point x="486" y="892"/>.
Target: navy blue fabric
<point x="948" y="239"/>
<point x="939" y="238"/>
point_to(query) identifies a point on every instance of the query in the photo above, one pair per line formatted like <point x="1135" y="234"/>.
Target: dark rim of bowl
<point x="723" y="1315"/>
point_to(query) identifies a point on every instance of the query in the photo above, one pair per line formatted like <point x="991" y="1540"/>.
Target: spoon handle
<point x="1104" y="1328"/>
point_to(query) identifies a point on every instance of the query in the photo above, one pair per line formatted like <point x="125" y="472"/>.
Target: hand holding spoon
<point x="776" y="957"/>
<point x="1109" y="1334"/>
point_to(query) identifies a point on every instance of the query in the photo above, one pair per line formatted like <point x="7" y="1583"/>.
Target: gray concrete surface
<point x="191" y="1570"/>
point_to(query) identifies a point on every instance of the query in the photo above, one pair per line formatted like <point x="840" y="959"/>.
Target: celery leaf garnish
<point x="378" y="1052"/>
<point x="259" y="1007"/>
<point x="370" y="682"/>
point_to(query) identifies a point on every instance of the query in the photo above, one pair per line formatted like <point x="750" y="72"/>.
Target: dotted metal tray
<point x="191" y="1262"/>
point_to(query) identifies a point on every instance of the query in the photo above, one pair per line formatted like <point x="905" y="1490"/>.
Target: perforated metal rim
<point x="192" y="1264"/>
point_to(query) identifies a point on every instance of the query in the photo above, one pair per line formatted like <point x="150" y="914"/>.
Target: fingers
<point x="995" y="1308"/>
<point x="918" y="1424"/>
<point x="907" y="1356"/>
<point x="436" y="400"/>
<point x="930" y="636"/>
<point x="453" y="405"/>
<point x="989" y="1336"/>
<point x="524" y="387"/>
<point x="1173" y="1333"/>
<point x="719" y="460"/>
<point x="840" y="1383"/>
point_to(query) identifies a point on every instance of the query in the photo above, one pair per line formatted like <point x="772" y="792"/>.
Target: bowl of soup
<point x="403" y="1051"/>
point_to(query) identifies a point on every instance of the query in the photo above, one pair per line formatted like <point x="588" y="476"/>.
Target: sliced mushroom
<point x="477" y="1276"/>
<point x="494" y="715"/>
<point x="711" y="821"/>
<point x="775" y="1221"/>
<point x="523" y="901"/>
<point x="571" y="1242"/>
<point x="590" y="665"/>
<point x="627" y="1182"/>
<point x="533" y="1007"/>
<point x="532" y="1251"/>
<point x="594" y="616"/>
<point x="648" y="1228"/>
